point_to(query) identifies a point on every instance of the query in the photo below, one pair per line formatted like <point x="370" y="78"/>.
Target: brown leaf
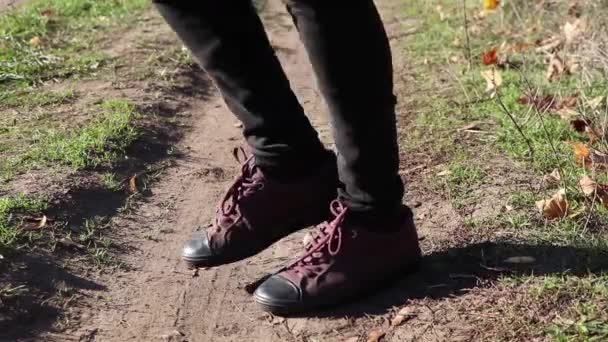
<point x="579" y="125"/>
<point x="47" y="13"/>
<point x="588" y="185"/>
<point x="541" y="102"/>
<point x="556" y="68"/>
<point x="489" y="57"/>
<point x="553" y="178"/>
<point x="599" y="160"/>
<point x="375" y="335"/>
<point x="556" y="207"/>
<point x="591" y="188"/>
<point x="133" y="184"/>
<point x="35" y="223"/>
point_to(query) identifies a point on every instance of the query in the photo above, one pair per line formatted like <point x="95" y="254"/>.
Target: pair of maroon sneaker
<point x="344" y="257"/>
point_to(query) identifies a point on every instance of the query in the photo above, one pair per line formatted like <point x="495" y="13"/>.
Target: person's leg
<point x="351" y="56"/>
<point x="228" y="40"/>
<point x="372" y="237"/>
<point x="291" y="179"/>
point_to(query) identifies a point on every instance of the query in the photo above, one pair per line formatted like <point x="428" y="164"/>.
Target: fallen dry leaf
<point x="489" y="57"/>
<point x="35" y="41"/>
<point x="38" y="223"/>
<point x="588" y="185"/>
<point x="490" y="4"/>
<point x="573" y="30"/>
<point x="599" y="160"/>
<point x="47" y="13"/>
<point x="579" y="125"/>
<point x="555" y="207"/>
<point x="591" y="188"/>
<point x="133" y="184"/>
<point x="375" y="335"/>
<point x="581" y="154"/>
<point x="493" y="80"/>
<point x="556" y="68"/>
<point x="553" y="178"/>
<point x="42" y="222"/>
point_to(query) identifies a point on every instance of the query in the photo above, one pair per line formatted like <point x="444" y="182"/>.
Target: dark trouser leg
<point x="350" y="53"/>
<point x="229" y="41"/>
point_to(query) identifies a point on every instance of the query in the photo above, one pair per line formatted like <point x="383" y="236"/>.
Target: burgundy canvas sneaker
<point x="344" y="259"/>
<point x="258" y="210"/>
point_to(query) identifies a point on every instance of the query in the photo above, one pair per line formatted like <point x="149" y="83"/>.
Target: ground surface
<point x="471" y="285"/>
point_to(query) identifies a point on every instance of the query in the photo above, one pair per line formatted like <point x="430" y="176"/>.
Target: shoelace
<point x="242" y="186"/>
<point x="328" y="234"/>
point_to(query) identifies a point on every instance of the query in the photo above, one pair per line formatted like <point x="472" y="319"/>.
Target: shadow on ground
<point x="35" y="305"/>
<point x="43" y="287"/>
<point x="453" y="271"/>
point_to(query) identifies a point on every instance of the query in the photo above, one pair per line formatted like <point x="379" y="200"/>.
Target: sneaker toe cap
<point x="197" y="247"/>
<point x="277" y="291"/>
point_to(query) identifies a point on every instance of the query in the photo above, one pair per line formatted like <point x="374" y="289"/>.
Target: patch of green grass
<point x="110" y="181"/>
<point x="461" y="180"/>
<point x="46" y="39"/>
<point x="12" y="211"/>
<point x="578" y="305"/>
<point x="98" y="142"/>
<point x="28" y="99"/>
<point x="442" y="64"/>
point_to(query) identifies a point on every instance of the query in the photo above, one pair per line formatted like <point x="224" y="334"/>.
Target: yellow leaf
<point x="555" y="207"/>
<point x="35" y="41"/>
<point x="490" y="4"/>
<point x="493" y="79"/>
<point x="581" y="154"/>
<point x="133" y="184"/>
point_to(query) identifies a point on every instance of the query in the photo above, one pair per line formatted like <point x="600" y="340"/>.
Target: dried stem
<point x="466" y="32"/>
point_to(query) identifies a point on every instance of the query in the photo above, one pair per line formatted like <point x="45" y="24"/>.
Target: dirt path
<point x="158" y="298"/>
